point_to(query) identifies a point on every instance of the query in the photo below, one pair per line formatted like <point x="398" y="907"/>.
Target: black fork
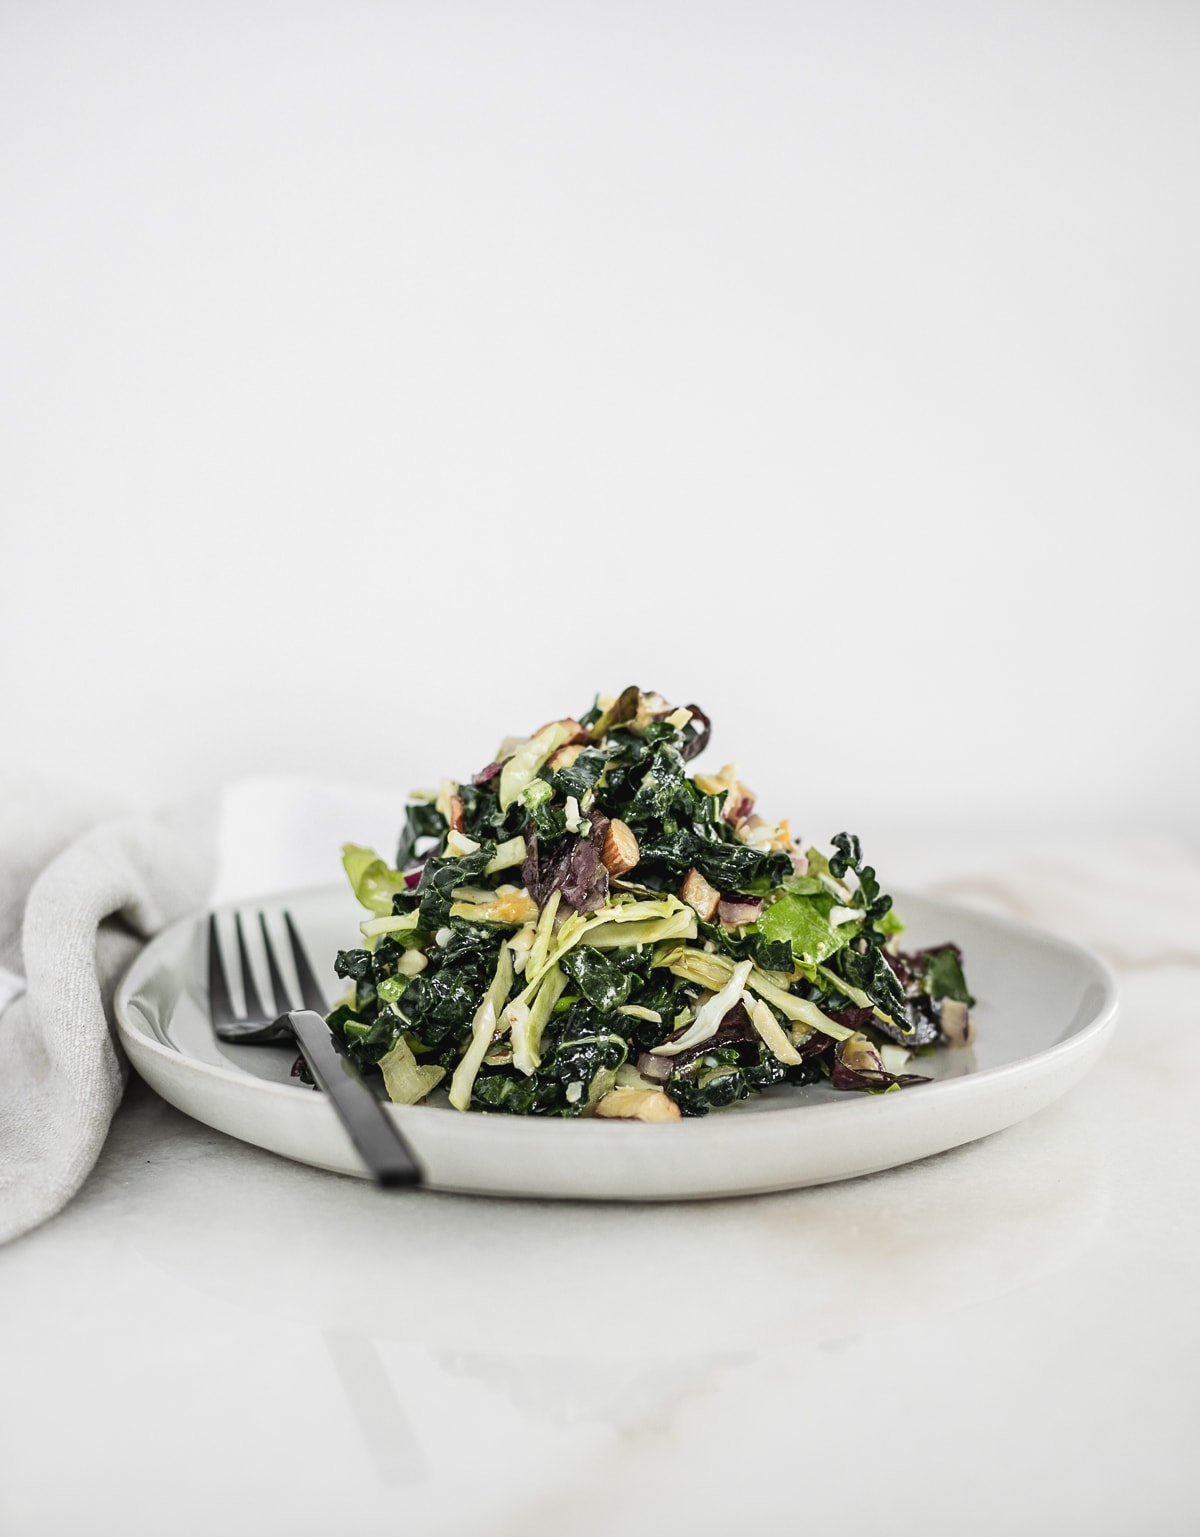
<point x="388" y="1157"/>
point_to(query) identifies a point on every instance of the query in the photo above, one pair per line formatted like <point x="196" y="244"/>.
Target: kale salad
<point x="586" y="927"/>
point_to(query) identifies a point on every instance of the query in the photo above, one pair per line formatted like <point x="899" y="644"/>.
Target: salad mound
<point x="586" y="927"/>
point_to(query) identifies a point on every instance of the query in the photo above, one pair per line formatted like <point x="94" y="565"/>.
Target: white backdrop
<point x="381" y="379"/>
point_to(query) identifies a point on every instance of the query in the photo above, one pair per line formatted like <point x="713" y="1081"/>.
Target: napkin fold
<point x="76" y="904"/>
<point x="79" y="896"/>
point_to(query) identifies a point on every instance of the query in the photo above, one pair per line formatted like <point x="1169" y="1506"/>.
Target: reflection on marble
<point x="624" y="1391"/>
<point x="382" y="1424"/>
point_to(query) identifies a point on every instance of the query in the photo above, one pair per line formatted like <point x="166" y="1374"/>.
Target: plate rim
<point x="1107" y="1010"/>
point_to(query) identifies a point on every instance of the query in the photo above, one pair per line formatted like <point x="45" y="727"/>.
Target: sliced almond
<point x="637" y="1105"/>
<point x="620" y="852"/>
<point x="456" y="813"/>
<point x="700" y="896"/>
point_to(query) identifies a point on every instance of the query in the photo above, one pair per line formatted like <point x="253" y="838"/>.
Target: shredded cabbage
<point x="528" y="758"/>
<point x="527" y="1022"/>
<point x="709" y="1016"/>
<point x="483" y="1028"/>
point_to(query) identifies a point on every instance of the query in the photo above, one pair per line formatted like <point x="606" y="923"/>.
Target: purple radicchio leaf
<point x="543" y="872"/>
<point x="696" y="746"/>
<point x="842" y="1076"/>
<point x="585" y="883"/>
<point x="574" y="868"/>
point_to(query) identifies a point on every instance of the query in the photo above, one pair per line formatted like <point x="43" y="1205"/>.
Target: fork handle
<point x="388" y="1157"/>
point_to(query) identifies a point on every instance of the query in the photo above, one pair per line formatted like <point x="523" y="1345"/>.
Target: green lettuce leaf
<point x="804" y="922"/>
<point x="405" y="1081"/>
<point x="372" y="880"/>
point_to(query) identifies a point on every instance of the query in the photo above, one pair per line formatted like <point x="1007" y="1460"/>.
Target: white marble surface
<point x="1001" y="1338"/>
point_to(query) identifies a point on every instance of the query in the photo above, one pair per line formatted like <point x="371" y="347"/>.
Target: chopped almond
<point x="957" y="1025"/>
<point x="456" y="813"/>
<point x="565" y="756"/>
<point x="739" y="803"/>
<point x="637" y="1105"/>
<point x="620" y="852"/>
<point x="700" y="896"/>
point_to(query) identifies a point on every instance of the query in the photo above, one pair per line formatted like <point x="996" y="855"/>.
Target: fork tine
<point x="282" y="1001"/>
<point x="220" y="1004"/>
<point x="310" y="989"/>
<point x="254" y="1004"/>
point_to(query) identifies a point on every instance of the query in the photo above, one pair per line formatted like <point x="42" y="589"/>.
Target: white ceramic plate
<point x="1046" y="1008"/>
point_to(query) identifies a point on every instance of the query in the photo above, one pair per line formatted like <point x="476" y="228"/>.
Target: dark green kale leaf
<point x="574" y="1054"/>
<point x="387" y="952"/>
<point x="440" y="877"/>
<point x="439" y="1007"/>
<point x="730" y="867"/>
<point x="869" y="970"/>
<point x="422" y="820"/>
<point x="580" y="776"/>
<point x="475" y="942"/>
<point x="659" y="993"/>
<point x="730" y="1074"/>
<point x="621" y="775"/>
<point x="365" y="1034"/>
<point x="367" y="968"/>
<point x="599" y="977"/>
<point x="483" y="819"/>
<point x="658" y="788"/>
<point x="515" y="1094"/>
<point x="355" y="964"/>
<point x="579" y="1059"/>
<point x="767" y="954"/>
<point x="849" y="857"/>
<point x="550" y="821"/>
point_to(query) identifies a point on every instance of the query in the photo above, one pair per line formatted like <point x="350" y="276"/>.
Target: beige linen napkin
<point x="76" y="903"/>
